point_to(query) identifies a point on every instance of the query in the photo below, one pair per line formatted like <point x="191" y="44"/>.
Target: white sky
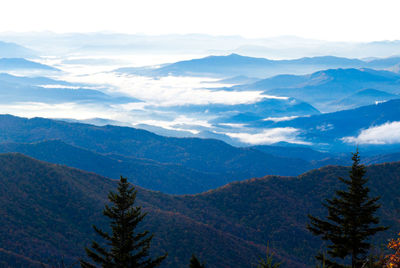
<point x="337" y="20"/>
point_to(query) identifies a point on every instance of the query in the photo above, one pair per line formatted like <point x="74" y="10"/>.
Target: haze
<point x="324" y="20"/>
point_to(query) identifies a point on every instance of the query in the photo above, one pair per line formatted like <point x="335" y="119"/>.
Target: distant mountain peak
<point x="373" y="92"/>
<point x="235" y="55"/>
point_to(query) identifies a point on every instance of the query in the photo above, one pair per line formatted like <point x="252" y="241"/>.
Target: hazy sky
<point x="337" y="20"/>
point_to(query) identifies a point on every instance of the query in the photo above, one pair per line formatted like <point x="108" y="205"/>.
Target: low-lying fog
<point x="158" y="98"/>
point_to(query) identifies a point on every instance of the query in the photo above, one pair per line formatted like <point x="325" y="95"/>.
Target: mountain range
<point x="237" y="65"/>
<point x="323" y="89"/>
<point x="172" y="165"/>
<point x="101" y="43"/>
<point x="285" y="97"/>
<point x="329" y="85"/>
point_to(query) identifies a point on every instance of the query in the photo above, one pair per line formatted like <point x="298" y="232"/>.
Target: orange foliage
<point x="393" y="260"/>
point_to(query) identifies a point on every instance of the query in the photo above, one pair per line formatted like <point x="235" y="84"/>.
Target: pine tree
<point x="127" y="248"/>
<point x="195" y="263"/>
<point x="350" y="221"/>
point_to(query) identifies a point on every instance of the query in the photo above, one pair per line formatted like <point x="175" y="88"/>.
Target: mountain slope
<point x="384" y="62"/>
<point x="363" y="98"/>
<point x="31" y="81"/>
<point x="7" y="64"/>
<point x="279" y="206"/>
<point x="12" y="50"/>
<point x="58" y="202"/>
<point x="305" y="153"/>
<point x="49" y="209"/>
<point x="168" y="178"/>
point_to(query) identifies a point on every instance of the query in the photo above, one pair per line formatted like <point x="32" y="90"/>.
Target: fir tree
<point x="350" y="221"/>
<point x="195" y="263"/>
<point x="127" y="247"/>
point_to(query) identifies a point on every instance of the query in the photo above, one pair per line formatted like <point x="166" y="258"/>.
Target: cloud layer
<point x="270" y="136"/>
<point x="388" y="133"/>
<point x="169" y="91"/>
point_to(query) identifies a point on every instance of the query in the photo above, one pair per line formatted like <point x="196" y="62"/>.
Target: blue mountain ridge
<point x="237" y="65"/>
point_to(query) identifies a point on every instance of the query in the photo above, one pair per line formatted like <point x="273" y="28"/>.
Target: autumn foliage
<point x="393" y="260"/>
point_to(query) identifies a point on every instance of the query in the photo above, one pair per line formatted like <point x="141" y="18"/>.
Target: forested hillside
<point x="49" y="209"/>
<point x="171" y="165"/>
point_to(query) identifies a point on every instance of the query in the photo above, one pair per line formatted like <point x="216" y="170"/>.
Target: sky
<point x="338" y="20"/>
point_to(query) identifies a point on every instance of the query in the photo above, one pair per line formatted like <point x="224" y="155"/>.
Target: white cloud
<point x="169" y="91"/>
<point x="269" y="136"/>
<point x="60" y="86"/>
<point x="388" y="133"/>
<point x="280" y="119"/>
<point x="59" y="110"/>
<point x="131" y="106"/>
<point x="181" y="123"/>
<point x="232" y="125"/>
<point x="133" y="116"/>
<point x="325" y="127"/>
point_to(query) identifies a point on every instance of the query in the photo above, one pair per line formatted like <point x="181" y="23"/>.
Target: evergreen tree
<point x="350" y="221"/>
<point x="127" y="248"/>
<point x="195" y="263"/>
<point x="269" y="261"/>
